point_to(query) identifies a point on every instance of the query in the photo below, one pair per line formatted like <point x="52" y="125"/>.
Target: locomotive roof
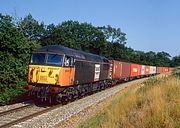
<point x="59" y="49"/>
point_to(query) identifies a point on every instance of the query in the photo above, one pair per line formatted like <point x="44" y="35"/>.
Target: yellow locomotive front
<point x="50" y="69"/>
<point x="48" y="73"/>
<point x="44" y="68"/>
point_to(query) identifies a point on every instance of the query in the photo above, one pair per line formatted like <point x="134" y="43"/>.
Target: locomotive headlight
<point x="43" y="70"/>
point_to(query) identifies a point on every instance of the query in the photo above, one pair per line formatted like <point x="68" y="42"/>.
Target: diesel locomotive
<point x="61" y="74"/>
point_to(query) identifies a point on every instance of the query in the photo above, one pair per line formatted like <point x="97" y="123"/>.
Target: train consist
<point x="59" y="73"/>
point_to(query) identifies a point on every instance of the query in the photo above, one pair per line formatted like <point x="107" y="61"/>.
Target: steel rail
<point x="14" y="122"/>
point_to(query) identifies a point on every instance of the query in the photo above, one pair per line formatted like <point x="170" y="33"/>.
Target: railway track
<point x="15" y="109"/>
<point x="21" y="114"/>
<point x="18" y="117"/>
<point x="62" y="116"/>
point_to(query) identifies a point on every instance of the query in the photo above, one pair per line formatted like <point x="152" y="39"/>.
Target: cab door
<point x="67" y="72"/>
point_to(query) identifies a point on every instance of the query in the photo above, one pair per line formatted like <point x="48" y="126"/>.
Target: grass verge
<point x="154" y="103"/>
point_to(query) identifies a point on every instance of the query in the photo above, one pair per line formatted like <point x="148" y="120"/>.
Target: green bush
<point x="9" y="93"/>
<point x="14" y="58"/>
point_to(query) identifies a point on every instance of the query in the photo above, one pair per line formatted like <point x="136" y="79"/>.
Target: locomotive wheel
<point x="58" y="99"/>
<point x="64" y="100"/>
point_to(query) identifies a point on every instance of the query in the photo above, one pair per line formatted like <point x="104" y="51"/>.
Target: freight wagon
<point x="120" y="71"/>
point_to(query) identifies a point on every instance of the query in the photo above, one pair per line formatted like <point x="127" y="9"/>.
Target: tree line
<point x="105" y="40"/>
<point x="20" y="36"/>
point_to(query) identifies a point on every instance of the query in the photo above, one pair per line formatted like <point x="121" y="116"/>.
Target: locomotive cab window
<point x="49" y="59"/>
<point x="54" y="59"/>
<point x="38" y="58"/>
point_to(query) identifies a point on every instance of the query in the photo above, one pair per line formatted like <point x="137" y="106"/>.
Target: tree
<point x="14" y="54"/>
<point x="163" y="59"/>
<point x="82" y="36"/>
<point x="138" y="57"/>
<point x="150" y="58"/>
<point x="31" y="29"/>
<point x="175" y="61"/>
<point x="113" y="35"/>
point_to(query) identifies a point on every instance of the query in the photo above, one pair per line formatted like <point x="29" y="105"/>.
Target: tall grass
<point x="152" y="104"/>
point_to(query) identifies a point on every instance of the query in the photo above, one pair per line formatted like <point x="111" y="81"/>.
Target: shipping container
<point x="154" y="70"/>
<point x="120" y="70"/>
<point x="159" y="70"/>
<point x="142" y="69"/>
<point x="171" y="69"/>
<point x="147" y="70"/>
<point x="151" y="69"/>
<point x="116" y="69"/>
<point x="165" y="69"/>
<point x="126" y="69"/>
<point x="135" y="70"/>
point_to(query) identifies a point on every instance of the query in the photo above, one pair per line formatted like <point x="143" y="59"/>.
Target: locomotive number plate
<point x="43" y="78"/>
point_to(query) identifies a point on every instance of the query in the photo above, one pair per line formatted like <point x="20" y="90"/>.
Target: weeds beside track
<point x="154" y="103"/>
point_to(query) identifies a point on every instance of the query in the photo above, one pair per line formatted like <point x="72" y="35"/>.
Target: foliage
<point x="31" y="29"/>
<point x="163" y="59"/>
<point x="14" y="56"/>
<point x="9" y="93"/>
<point x="175" y="61"/>
<point x="82" y="36"/>
<point x="106" y="41"/>
<point x="113" y="35"/>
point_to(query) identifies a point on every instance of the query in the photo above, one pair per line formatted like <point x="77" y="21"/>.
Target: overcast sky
<point x="150" y="25"/>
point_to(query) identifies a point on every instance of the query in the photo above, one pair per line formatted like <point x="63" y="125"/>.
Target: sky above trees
<point x="150" y="25"/>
